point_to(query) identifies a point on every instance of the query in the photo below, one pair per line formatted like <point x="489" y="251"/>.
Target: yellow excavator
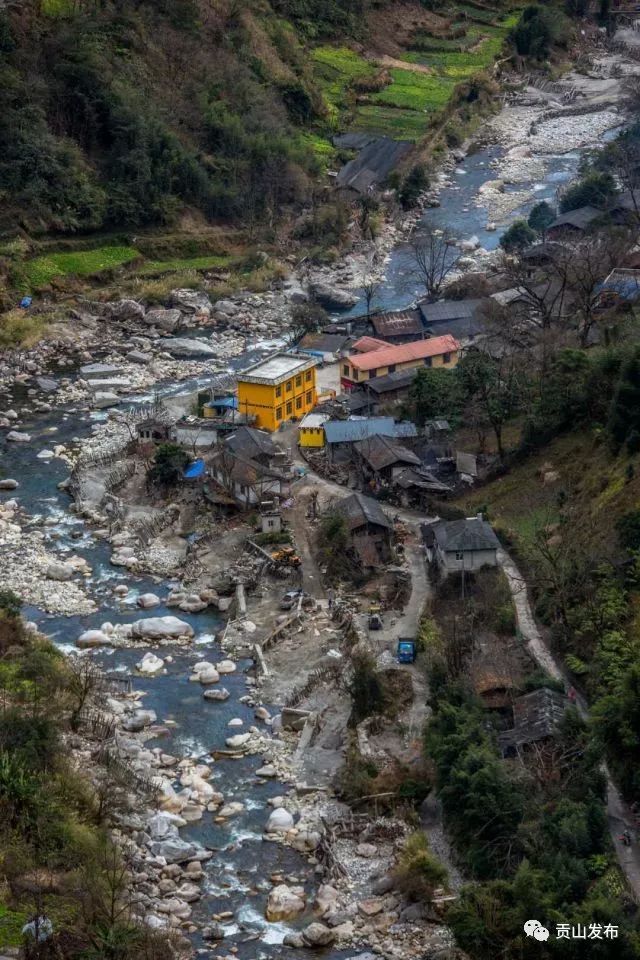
<point x="287" y="557"/>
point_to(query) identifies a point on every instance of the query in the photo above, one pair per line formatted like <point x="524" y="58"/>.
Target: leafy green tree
<point x="541" y="217"/>
<point x="168" y="465"/>
<point x="537" y="30"/>
<point x="617" y="723"/>
<point x="594" y="190"/>
<point x="415" y="183"/>
<point x="517" y="237"/>
<point x="496" y="386"/>
<point x="434" y="393"/>
<point x="366" y="688"/>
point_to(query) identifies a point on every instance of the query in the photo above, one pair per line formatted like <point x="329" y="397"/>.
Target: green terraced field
<point x="80" y="263"/>
<point x="156" y="267"/>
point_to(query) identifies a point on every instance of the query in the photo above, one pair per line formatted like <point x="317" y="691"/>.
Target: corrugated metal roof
<point x="374" y="161"/>
<point x="367" y="344"/>
<point x="323" y="342"/>
<point x="313" y="420"/>
<point x="404" y="352"/>
<point x="398" y="323"/>
<point x="348" y="431"/>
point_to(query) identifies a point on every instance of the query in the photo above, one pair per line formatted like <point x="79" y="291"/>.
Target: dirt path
<point x="619" y="815"/>
<point x="387" y="61"/>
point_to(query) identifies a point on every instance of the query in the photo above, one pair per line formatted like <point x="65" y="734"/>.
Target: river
<point x="237" y="877"/>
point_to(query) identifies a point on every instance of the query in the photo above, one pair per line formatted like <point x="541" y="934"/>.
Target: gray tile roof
<point x="465" y="535"/>
<point x="359" y="510"/>
<point x="250" y="442"/>
<point x="580" y="218"/>
<point x="381" y="452"/>
<point x="536" y="716"/>
<point x="391" y="381"/>
<point x="448" y="310"/>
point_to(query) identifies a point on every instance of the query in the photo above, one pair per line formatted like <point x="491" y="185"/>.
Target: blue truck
<point x="406" y="650"/>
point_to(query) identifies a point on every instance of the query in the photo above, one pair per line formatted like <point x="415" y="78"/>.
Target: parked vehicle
<point x="290" y="599"/>
<point x="406" y="651"/>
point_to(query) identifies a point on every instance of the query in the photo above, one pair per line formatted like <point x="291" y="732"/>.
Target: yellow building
<point x="277" y="389"/>
<point x="311" y="430"/>
<point x="436" y="352"/>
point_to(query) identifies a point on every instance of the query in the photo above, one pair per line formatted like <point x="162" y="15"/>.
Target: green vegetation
<point x="418" y="872"/>
<point x="168" y="465"/>
<point x="517" y="236"/>
<point x="157" y="267"/>
<point x="40" y="271"/>
<point x="537" y="31"/>
<point x="595" y="189"/>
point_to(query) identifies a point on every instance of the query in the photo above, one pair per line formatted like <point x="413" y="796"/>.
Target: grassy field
<point x="336" y="69"/>
<point x="157" y="267"/>
<point x="40" y="271"/>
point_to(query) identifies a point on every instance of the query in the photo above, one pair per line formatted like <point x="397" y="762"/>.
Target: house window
<point x="299" y="380"/>
<point x="459" y="555"/>
<point x="308" y="397"/>
<point x="289" y="386"/>
<point x="289" y="408"/>
<point x="372" y="374"/>
<point x="308" y="376"/>
<point x="391" y="368"/>
<point x="278" y="413"/>
<point x="427" y="361"/>
<point x="279" y="391"/>
<point x="298" y="403"/>
<point x="345" y="369"/>
<point x="447" y="358"/>
<point x="270" y="523"/>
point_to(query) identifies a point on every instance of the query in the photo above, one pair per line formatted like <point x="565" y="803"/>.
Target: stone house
<point x="461" y="545"/>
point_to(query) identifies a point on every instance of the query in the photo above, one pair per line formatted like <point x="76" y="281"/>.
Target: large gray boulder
<point x="332" y="297"/>
<point x="167" y="320"/>
<point x="173" y="849"/>
<point x="316" y="935"/>
<point x="190" y="301"/>
<point x="186" y="348"/>
<point x="16" y="437"/>
<point x="126" y="310"/>
<point x="164" y="826"/>
<point x="105" y="398"/>
<point x="161" y="628"/>
<point x="280" y="821"/>
<point x="56" y="570"/>
<point x="92" y="638"/>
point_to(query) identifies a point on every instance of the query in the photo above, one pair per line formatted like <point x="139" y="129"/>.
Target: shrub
<point x="594" y="190"/>
<point x="368" y="696"/>
<point x="415" y="183"/>
<point x="536" y="32"/>
<point x="541" y="217"/>
<point x="518" y="236"/>
<point x="418" y="872"/>
<point x="168" y="466"/>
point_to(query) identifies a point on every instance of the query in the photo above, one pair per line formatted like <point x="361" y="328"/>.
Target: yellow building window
<point x="308" y="375"/>
<point x="278" y="391"/>
<point x="278" y="413"/>
<point x="298" y="403"/>
<point x="345" y="369"/>
<point x="446" y="358"/>
<point x="289" y="408"/>
<point x="308" y="396"/>
<point x="289" y="386"/>
<point x="299" y="380"/>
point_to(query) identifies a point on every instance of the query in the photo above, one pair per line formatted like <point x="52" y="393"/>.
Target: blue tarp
<point x="26" y="302"/>
<point x="195" y="470"/>
<point x="225" y="403"/>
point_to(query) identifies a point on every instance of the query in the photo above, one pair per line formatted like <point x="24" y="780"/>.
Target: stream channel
<point x="237" y="877"/>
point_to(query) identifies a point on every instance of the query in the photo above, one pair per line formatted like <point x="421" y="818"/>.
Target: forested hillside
<point x="118" y="113"/>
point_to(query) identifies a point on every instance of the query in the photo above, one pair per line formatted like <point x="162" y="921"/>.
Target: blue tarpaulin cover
<point x="194" y="470"/>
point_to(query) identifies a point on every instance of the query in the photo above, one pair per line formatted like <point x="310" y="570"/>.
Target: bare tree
<point x="370" y="280"/>
<point x="434" y="256"/>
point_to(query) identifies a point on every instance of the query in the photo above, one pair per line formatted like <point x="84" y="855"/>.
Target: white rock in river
<point x="267" y="771"/>
<point x="280" y="821"/>
<point x="148" y="600"/>
<point x="8" y="484"/>
<point x="92" y="638"/>
<point x="159" y="628"/>
<point x="220" y="694"/>
<point x="45" y="455"/>
<point x="206" y="673"/>
<point x="318" y="935"/>
<point x="236" y="722"/>
<point x="239" y="740"/>
<point x="59" y="571"/>
<point x="230" y="809"/>
<point x="284" y="903"/>
<point x="226" y="666"/>
<point x="18" y="437"/>
<point x="150" y="664"/>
